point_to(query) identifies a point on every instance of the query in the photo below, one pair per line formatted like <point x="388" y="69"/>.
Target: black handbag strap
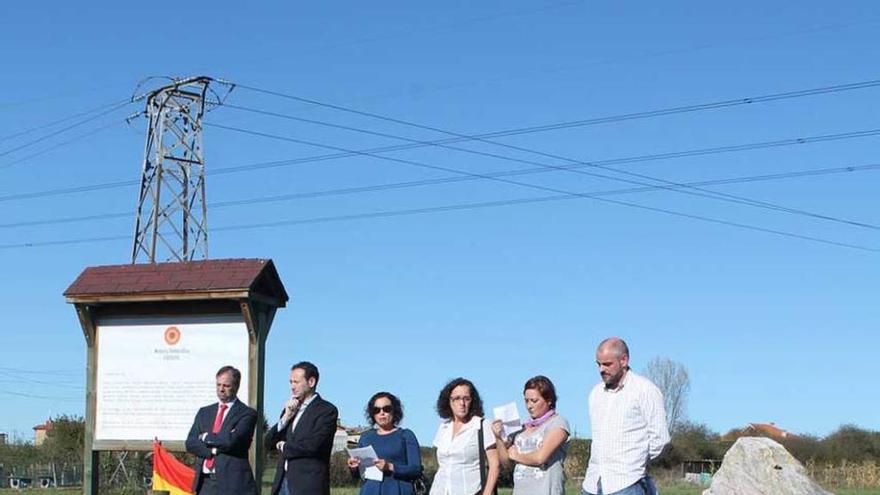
<point x="484" y="471"/>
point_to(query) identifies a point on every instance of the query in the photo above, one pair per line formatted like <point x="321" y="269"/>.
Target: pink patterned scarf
<point x="534" y="423"/>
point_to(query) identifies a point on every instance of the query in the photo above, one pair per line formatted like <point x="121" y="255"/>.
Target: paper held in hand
<point x="509" y="416"/>
<point x="368" y="457"/>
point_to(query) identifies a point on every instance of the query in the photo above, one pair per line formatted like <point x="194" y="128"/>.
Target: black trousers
<point x="209" y="486"/>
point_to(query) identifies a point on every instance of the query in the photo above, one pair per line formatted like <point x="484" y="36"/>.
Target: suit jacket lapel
<point x="232" y="413"/>
<point x="212" y="414"/>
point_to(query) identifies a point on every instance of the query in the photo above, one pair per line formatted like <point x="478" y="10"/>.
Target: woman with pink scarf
<point x="539" y="449"/>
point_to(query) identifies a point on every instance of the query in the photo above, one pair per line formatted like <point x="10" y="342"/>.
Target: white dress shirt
<point x="458" y="457"/>
<point x="629" y="429"/>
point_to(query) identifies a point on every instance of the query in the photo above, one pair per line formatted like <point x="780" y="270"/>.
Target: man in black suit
<point x="303" y="437"/>
<point x="220" y="438"/>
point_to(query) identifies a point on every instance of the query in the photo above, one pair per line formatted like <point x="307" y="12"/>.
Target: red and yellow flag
<point x="169" y="474"/>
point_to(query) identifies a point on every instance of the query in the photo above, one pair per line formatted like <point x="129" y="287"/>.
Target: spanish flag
<point x="169" y="474"/>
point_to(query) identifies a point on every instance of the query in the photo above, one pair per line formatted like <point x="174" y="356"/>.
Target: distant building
<point x="40" y="432"/>
<point x="769" y="430"/>
<point x="340" y="439"/>
<point x="2" y="438"/>
<point x="347" y="437"/>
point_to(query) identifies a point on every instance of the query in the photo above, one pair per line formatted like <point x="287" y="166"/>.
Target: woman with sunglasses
<point x="464" y="468"/>
<point x="397" y="448"/>
<point x="539" y="449"/>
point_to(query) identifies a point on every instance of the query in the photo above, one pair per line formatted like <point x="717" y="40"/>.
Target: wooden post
<point x="91" y="464"/>
<point x="258" y="318"/>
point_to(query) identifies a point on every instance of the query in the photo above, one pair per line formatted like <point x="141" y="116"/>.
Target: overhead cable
<point x="65" y="129"/>
<point x="872" y="132"/>
<point x="673" y="186"/>
<point x="62" y="120"/>
<point x="452" y="179"/>
<point x="445" y="208"/>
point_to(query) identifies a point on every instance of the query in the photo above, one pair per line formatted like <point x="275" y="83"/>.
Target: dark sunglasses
<point x="385" y="409"/>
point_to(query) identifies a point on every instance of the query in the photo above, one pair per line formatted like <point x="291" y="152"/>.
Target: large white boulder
<point x="760" y="466"/>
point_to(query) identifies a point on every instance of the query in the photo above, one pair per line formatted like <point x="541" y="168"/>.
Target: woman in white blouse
<point x="458" y="443"/>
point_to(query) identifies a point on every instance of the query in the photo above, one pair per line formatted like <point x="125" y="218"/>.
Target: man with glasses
<point x="303" y="437"/>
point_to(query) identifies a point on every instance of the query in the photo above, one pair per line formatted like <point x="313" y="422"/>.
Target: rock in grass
<point x="760" y="466"/>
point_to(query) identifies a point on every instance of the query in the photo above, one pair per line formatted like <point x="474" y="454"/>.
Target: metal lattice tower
<point x="172" y="221"/>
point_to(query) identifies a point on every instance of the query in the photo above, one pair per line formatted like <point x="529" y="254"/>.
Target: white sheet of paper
<point x="367" y="456"/>
<point x="509" y="416"/>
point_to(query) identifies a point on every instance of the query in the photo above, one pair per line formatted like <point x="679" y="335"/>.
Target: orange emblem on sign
<point x="172" y="335"/>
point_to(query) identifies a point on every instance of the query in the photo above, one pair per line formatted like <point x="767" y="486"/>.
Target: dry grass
<point x="846" y="474"/>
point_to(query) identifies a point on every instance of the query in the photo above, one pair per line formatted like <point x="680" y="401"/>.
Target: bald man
<point x="628" y="422"/>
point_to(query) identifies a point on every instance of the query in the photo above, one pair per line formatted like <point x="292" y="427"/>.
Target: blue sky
<point x="771" y="327"/>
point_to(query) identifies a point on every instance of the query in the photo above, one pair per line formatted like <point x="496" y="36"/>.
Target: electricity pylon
<point x="172" y="216"/>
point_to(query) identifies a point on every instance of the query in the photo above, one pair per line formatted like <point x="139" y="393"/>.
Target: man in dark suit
<point x="220" y="438"/>
<point x="303" y="437"/>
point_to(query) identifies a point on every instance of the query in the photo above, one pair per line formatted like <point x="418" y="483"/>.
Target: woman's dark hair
<point x="544" y="387"/>
<point x="444" y="409"/>
<point x="396" y="406"/>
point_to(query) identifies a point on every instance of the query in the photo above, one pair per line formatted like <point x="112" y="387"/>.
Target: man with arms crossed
<point x="220" y="438"/>
<point x="628" y="422"/>
<point x="303" y="437"/>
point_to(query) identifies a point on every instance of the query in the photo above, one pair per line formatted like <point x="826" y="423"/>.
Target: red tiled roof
<point x="769" y="429"/>
<point x="176" y="278"/>
<point x="44" y="426"/>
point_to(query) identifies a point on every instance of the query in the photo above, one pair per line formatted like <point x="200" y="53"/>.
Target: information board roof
<point x="155" y="281"/>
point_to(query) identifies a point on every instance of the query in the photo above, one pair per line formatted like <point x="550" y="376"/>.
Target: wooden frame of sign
<point x="121" y="305"/>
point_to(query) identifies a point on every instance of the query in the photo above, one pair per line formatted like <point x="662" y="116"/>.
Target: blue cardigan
<point x="401" y="449"/>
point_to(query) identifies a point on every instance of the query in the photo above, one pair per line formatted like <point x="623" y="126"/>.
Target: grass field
<point x="664" y="490"/>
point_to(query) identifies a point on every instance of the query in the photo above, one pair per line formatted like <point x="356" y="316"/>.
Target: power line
<point x="583" y="122"/>
<point x="655" y="113"/>
<point x="560" y="192"/>
<point x="555" y="190"/>
<point x="67" y="371"/>
<point x="333" y="156"/>
<point x="65" y="129"/>
<point x="55" y="221"/>
<point x="691" y="108"/>
<point x="456" y="207"/>
<point x="60" y="121"/>
<point x="61" y="144"/>
<point x="503" y="133"/>
<point x="488" y="204"/>
<point x="18" y="378"/>
<point x="454" y="179"/>
<point x="496" y="178"/>
<point x="616" y="161"/>
<point x="612" y="161"/>
<point x="69" y="190"/>
<point x="34" y="396"/>
<point x="672" y="186"/>
<point x="66" y="242"/>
